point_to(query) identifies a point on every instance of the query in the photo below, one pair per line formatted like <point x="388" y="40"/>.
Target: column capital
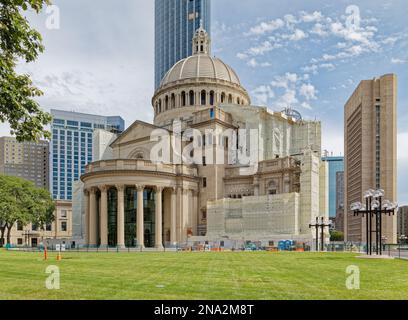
<point x="93" y="190"/>
<point x="86" y="192"/>
<point x="159" y="189"/>
<point x="120" y="187"/>
<point x="103" y="188"/>
<point x="140" y="187"/>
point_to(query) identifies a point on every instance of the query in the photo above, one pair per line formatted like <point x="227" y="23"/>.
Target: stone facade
<point x="57" y="232"/>
<point x="179" y="180"/>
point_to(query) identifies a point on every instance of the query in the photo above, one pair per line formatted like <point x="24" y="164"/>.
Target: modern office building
<point x="175" y="24"/>
<point x="72" y="147"/>
<point x="27" y="160"/>
<point x="370" y="119"/>
<point x="403" y="221"/>
<point x="336" y="164"/>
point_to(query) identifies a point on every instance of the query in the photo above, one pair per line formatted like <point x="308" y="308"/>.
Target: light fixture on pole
<point x="375" y="206"/>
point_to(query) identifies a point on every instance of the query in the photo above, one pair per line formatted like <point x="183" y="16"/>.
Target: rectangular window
<point x="72" y="123"/>
<point x="20" y="241"/>
<point x="59" y="121"/>
<point x="63" y="226"/>
<point x="86" y="125"/>
<point x="204" y="182"/>
<point x="48" y="227"/>
<point x="63" y="213"/>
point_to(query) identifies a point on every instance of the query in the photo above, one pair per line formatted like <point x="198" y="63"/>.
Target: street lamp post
<point x="321" y="225"/>
<point x="375" y="205"/>
<point x="317" y="232"/>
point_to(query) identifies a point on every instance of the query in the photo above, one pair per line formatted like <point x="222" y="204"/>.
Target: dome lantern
<point x="201" y="41"/>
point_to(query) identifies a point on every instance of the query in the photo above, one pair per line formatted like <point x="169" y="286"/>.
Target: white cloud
<point x="320" y="30"/>
<point x="266" y="27"/>
<point x="312" y="68"/>
<point x="312" y="17"/>
<point x="328" y="66"/>
<point x="398" y="61"/>
<point x="242" y="56"/>
<point x="296" y="36"/>
<point x="263" y="94"/>
<point x="290" y="20"/>
<point x="306" y="105"/>
<point x="254" y="63"/>
<point x="264" y="47"/>
<point x="308" y="91"/>
<point x="284" y="81"/>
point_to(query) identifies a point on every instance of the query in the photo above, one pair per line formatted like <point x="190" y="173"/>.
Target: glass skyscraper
<point x="175" y="24"/>
<point x="72" y="147"/>
<point x="336" y="164"/>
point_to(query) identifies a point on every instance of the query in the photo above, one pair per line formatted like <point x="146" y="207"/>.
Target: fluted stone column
<point x="195" y="213"/>
<point x="159" y="218"/>
<point x="86" y="226"/>
<point x="93" y="237"/>
<point x="140" y="215"/>
<point x="104" y="216"/>
<point x="179" y="214"/>
<point x="121" y="216"/>
<point x="173" y="218"/>
<point x="185" y="216"/>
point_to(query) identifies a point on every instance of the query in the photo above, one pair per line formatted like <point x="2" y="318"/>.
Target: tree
<point x="18" y="41"/>
<point x="336" y="236"/>
<point x="21" y="201"/>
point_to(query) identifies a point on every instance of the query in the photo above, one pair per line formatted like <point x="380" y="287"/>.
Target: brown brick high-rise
<point x="370" y="142"/>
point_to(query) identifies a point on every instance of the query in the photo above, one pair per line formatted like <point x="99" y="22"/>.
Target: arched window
<point x="212" y="98"/>
<point x="191" y="97"/>
<point x="230" y="98"/>
<point x="160" y="106"/>
<point x="173" y="101"/>
<point x="203" y="98"/>
<point x="183" y="99"/>
<point x="167" y="103"/>
<point x="238" y="101"/>
<point x="223" y="97"/>
<point x="272" y="188"/>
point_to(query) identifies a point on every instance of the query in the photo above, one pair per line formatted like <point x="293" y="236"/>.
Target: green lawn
<point x="247" y="275"/>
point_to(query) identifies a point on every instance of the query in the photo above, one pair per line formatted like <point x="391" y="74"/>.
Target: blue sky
<point x="295" y="52"/>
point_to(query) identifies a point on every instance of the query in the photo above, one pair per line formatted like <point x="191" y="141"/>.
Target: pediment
<point x="139" y="130"/>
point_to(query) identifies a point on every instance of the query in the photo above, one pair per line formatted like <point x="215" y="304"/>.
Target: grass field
<point x="179" y="276"/>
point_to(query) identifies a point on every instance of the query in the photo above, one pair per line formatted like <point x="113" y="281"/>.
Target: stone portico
<point x="134" y="203"/>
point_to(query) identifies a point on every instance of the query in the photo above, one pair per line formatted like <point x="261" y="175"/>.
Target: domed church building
<point x="210" y="169"/>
